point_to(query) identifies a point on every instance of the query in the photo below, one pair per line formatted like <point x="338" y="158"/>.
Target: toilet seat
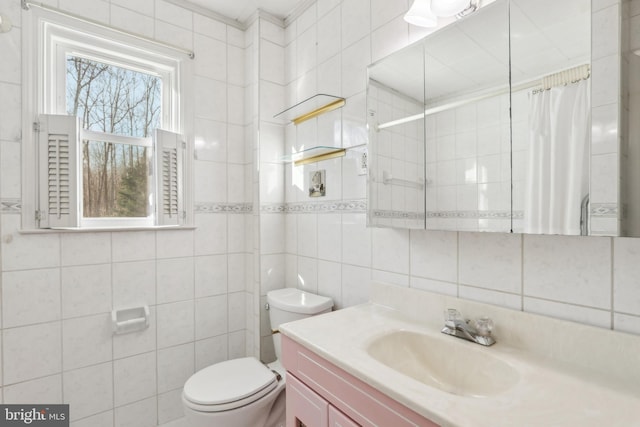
<point x="228" y="385"/>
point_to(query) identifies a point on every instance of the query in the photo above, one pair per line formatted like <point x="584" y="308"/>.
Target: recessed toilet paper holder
<point x="129" y="320"/>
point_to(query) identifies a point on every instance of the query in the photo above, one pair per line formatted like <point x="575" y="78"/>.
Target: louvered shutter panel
<point x="169" y="150"/>
<point x="58" y="171"/>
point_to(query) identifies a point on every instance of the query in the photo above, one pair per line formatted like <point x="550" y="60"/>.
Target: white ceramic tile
<point x="134" y="284"/>
<point x="236" y="311"/>
<point x="86" y="290"/>
<point x="379" y="276"/>
<point x="271" y="99"/>
<point x="85" y="248"/>
<point x="235" y="36"/>
<point x="491" y="297"/>
<point x="605" y="75"/>
<point x="307" y="274"/>
<point x="272" y="62"/>
<point x="88" y="390"/>
<point x="175" y="280"/>
<point x="10" y="169"/>
<point x="383" y="11"/>
<point x="237" y="233"/>
<point x="235" y="66"/>
<point x="175" y="323"/>
<point x="356" y="240"/>
<point x="134" y="378"/>
<point x="583" y="315"/>
<point x="237" y="344"/>
<point x="211" y="237"/>
<point x="174" y="243"/>
<point x="133" y="245"/>
<point x="306" y="19"/>
<point x="211" y="182"/>
<point x="175" y="366"/>
<point x="131" y="21"/>
<point x="354" y="66"/>
<point x="11" y="107"/>
<point x="103" y="419"/>
<point x="434" y="255"/>
<point x="235" y="105"/>
<point x="355" y="21"/>
<point x="330" y="281"/>
<point x="575" y="270"/>
<point x="86" y="341"/>
<point x="30" y="296"/>
<point x="210" y="140"/>
<point x="171" y="13"/>
<point x="605" y="23"/>
<point x="211" y="275"/>
<point x="125" y="345"/>
<point x="139" y="414"/>
<point x="445" y="288"/>
<point x="330" y="237"/>
<point x="209" y="27"/>
<point x="27" y="251"/>
<point x="211" y="58"/>
<point x="271" y="142"/>
<point x="326" y="6"/>
<point x="308" y="235"/>
<point x="491" y="261"/>
<point x="389" y="38"/>
<point x="355" y="285"/>
<point x="604" y="129"/>
<point x="170" y="406"/>
<point x="271" y="32"/>
<point x="10" y="44"/>
<point x="211" y="350"/>
<point x="328" y="35"/>
<point x="604" y="178"/>
<point x="271" y="272"/>
<point x="46" y="390"/>
<point x="97" y="10"/>
<point x="211" y="316"/>
<point x="210" y="99"/>
<point x="390" y="250"/>
<point x="626" y="270"/>
<point x="142" y="6"/>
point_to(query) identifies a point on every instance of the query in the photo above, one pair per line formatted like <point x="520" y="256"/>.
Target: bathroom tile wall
<point x="330" y="251"/>
<point x="58" y="288"/>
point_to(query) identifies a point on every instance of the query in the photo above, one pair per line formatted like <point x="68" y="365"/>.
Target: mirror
<point x="507" y="131"/>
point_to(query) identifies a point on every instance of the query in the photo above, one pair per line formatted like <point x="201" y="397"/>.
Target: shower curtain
<point x="557" y="178"/>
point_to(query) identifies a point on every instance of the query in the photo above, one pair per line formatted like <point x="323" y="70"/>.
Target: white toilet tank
<point x="289" y="304"/>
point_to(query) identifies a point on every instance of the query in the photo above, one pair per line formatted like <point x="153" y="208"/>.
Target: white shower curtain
<point x="558" y="171"/>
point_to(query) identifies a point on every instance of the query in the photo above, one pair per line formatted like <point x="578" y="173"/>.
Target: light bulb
<point x="420" y="14"/>
<point x="448" y="7"/>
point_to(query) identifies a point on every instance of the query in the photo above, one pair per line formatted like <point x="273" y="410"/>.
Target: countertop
<point x="547" y="393"/>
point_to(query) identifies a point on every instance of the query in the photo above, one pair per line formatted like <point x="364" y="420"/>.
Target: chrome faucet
<point x="479" y="333"/>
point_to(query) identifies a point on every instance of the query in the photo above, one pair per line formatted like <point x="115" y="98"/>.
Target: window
<point x="107" y="113"/>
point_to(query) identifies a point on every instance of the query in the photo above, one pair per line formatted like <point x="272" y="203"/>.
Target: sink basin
<point x="444" y="363"/>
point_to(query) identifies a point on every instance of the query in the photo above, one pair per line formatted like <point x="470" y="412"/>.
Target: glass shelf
<point x="311" y="107"/>
<point x="319" y="153"/>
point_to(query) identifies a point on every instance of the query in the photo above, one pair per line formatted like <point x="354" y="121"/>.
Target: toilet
<point x="244" y="392"/>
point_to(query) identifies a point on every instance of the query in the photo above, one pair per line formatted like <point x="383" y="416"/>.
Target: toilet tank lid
<point x="297" y="301"/>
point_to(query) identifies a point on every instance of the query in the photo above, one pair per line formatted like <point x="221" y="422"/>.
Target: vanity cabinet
<point x="321" y="394"/>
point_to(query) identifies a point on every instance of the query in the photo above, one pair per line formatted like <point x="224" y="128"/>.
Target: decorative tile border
<point x="234" y="208"/>
<point x="398" y="215"/>
<point x="476" y="214"/>
<point x="604" y="210"/>
<point x="333" y="206"/>
<point x="10" y="206"/>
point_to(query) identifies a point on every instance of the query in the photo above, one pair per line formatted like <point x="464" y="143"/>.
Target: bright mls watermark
<point x="34" y="415"/>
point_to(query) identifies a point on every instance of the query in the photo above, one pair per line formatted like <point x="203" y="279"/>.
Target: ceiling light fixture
<point x="420" y="14"/>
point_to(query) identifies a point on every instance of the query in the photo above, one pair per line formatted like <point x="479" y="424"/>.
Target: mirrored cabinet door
<point x="468" y="152"/>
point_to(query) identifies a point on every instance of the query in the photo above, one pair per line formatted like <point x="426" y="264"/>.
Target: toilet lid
<point x="228" y="381"/>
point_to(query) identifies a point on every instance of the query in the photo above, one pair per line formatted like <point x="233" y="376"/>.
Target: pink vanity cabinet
<point x="319" y="394"/>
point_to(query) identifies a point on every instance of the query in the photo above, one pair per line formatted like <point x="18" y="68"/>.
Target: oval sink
<point x="444" y="363"/>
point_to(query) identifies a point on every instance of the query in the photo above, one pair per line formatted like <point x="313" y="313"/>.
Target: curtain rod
<point x="26" y="5"/>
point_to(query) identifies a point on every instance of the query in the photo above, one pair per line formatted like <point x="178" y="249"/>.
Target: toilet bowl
<point x="244" y="392"/>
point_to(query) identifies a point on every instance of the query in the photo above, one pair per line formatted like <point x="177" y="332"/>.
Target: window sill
<point x="104" y="229"/>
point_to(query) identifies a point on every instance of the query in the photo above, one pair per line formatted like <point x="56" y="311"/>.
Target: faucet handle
<point x="451" y="314"/>
<point x="484" y="326"/>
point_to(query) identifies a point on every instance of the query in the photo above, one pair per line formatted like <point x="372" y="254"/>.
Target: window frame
<point x="49" y="37"/>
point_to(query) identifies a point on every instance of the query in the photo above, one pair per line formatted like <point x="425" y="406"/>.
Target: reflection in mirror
<point x="467" y="123"/>
<point x="550" y="70"/>
<point x="395" y="104"/>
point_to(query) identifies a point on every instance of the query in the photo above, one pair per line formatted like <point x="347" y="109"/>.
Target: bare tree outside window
<point x="117" y="101"/>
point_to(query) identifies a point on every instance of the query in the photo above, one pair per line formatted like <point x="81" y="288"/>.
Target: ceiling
<point x="241" y="10"/>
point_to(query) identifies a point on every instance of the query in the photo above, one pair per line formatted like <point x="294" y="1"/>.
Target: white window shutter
<point x="58" y="165"/>
<point x="169" y="166"/>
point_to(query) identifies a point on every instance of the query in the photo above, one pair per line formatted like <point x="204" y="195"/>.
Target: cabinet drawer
<point x="304" y="407"/>
<point x="338" y="419"/>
